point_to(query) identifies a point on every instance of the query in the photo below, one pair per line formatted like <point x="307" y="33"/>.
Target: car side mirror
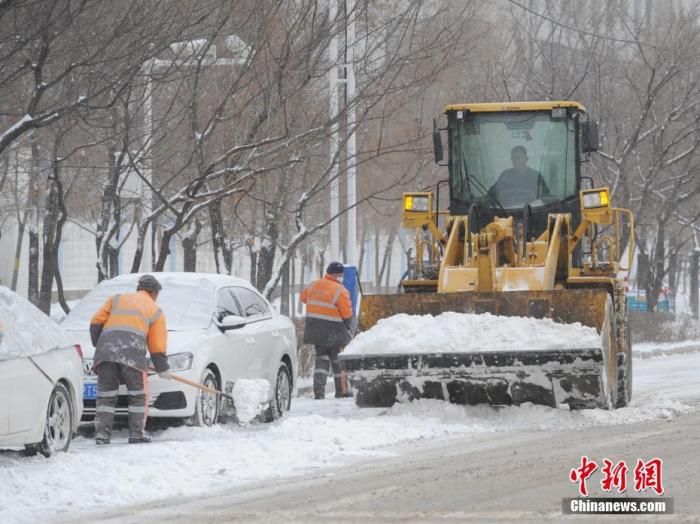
<point x="231" y="322"/>
<point x="589" y="137"/>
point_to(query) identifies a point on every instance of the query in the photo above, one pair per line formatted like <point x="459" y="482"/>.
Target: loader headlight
<point x="596" y="199"/>
<point x="416" y="203"/>
<point x="177" y="361"/>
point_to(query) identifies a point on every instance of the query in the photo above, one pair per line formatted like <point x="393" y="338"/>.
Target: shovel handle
<point x="197" y="385"/>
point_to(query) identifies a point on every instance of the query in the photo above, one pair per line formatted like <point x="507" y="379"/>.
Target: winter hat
<point x="148" y="283"/>
<point x="335" y="268"/>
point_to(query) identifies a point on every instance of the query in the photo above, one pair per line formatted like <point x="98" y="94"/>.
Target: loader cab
<point x="521" y="159"/>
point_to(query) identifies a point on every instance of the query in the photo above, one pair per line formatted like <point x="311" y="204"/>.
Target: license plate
<point x="89" y="391"/>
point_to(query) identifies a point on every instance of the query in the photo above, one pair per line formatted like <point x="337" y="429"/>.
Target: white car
<point x="41" y="379"/>
<point x="220" y="330"/>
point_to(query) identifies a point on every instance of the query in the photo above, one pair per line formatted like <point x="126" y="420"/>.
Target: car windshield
<point x="187" y="304"/>
<point x="512" y="159"/>
<point x="24" y="330"/>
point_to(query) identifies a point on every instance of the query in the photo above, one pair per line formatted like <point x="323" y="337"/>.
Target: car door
<point x="263" y="344"/>
<point x="236" y="351"/>
<point x="29" y="393"/>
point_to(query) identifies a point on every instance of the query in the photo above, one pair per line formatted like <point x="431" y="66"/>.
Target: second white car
<point x="220" y="330"/>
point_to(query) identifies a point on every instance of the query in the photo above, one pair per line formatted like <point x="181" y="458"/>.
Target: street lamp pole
<point x="351" y="240"/>
<point x="333" y="86"/>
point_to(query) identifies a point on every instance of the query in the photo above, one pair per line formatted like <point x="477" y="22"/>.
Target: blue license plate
<point x="89" y="391"/>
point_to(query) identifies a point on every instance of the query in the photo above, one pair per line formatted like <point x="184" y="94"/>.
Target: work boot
<point x="101" y="441"/>
<point x="139" y="440"/>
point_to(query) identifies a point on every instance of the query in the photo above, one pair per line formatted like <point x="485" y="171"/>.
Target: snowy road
<point x="332" y="446"/>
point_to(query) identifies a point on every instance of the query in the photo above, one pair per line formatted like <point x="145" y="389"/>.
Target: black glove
<point x="95" y="332"/>
<point x="160" y="362"/>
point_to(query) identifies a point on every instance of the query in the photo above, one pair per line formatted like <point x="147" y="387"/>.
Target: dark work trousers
<point x="109" y="376"/>
<point x="326" y="359"/>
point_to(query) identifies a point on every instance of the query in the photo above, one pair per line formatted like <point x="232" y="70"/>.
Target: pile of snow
<point x="24" y="330"/>
<point x="250" y="397"/>
<point x="467" y="333"/>
<point x="659" y="349"/>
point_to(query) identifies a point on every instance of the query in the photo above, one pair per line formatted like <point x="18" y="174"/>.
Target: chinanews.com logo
<point x="646" y="477"/>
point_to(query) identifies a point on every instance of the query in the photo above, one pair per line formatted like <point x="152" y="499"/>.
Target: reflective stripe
<point x="323" y="357"/>
<point x="337" y="295"/>
<point x="324" y="317"/>
<point x="137" y="392"/>
<point x="129" y="312"/>
<point x="115" y="301"/>
<point x="155" y="316"/>
<point x="319" y="303"/>
<point x="137" y="409"/>
<point x="109" y="393"/>
<point x="127" y="329"/>
<point x="105" y="409"/>
<point x="321" y="372"/>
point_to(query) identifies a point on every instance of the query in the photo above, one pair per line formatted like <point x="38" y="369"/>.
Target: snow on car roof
<point x="215" y="278"/>
<point x="24" y="330"/>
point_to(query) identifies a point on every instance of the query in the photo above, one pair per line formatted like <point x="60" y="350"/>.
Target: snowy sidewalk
<point x="187" y="461"/>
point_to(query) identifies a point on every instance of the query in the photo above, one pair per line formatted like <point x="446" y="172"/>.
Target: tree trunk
<point x="33" y="273"/>
<point x="293" y="280"/>
<point x="693" y="271"/>
<point x="302" y="277"/>
<point x="222" y="253"/>
<point x="189" y="247"/>
<point x="18" y="250"/>
<point x="657" y="273"/>
<point x="284" y="298"/>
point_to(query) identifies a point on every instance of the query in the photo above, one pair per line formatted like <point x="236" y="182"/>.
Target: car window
<point x="226" y="304"/>
<point x="251" y="303"/>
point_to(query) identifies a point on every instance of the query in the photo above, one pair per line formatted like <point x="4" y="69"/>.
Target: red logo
<point x="647" y="475"/>
<point x="582" y="473"/>
<point x="614" y="476"/>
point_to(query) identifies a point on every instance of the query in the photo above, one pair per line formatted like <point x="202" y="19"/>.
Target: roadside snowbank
<point x="467" y="332"/>
<point x="660" y="349"/>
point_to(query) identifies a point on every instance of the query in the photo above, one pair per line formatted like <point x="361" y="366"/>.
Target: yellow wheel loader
<point x="525" y="235"/>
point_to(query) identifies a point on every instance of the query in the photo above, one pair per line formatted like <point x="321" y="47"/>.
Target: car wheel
<point x="207" y="406"/>
<point x="58" y="427"/>
<point x="282" y="399"/>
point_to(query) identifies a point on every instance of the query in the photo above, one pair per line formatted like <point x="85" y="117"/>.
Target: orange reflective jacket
<point x="134" y="313"/>
<point x="327" y="299"/>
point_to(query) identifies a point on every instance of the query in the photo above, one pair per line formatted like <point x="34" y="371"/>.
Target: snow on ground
<point x="188" y="461"/>
<point x="446" y="333"/>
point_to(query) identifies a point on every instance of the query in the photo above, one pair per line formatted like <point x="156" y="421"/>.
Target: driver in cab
<point x="520" y="184"/>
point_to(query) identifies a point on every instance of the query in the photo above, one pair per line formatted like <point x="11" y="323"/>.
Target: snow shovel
<point x="197" y="385"/>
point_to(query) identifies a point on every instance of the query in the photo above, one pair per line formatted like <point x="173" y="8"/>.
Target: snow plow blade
<point x="577" y="376"/>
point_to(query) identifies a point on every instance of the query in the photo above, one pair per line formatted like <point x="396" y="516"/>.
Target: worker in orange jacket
<point x="125" y="329"/>
<point x="327" y="325"/>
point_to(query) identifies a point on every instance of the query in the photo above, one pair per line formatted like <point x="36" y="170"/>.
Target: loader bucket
<point x="577" y="376"/>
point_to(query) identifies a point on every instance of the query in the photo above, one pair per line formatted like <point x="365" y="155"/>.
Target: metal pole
<point x="333" y="87"/>
<point x="146" y="196"/>
<point x="351" y="241"/>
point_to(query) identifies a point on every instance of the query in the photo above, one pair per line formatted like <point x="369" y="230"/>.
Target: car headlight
<point x="177" y="361"/>
<point x="595" y="199"/>
<point x="416" y="203"/>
